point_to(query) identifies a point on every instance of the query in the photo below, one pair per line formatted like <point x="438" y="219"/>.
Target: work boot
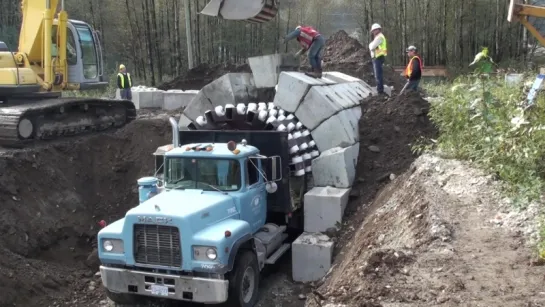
<point x="318" y="73"/>
<point x="314" y="73"/>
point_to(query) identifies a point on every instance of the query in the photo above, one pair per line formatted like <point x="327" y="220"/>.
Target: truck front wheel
<point x="244" y="280"/>
<point x="122" y="299"/>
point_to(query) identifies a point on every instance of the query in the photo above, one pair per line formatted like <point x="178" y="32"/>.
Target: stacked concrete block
<point x="312" y="255"/>
<point x="267" y="68"/>
<point x="337" y="167"/>
<point x="175" y="99"/>
<point x="232" y="88"/>
<point x="324" y="208"/>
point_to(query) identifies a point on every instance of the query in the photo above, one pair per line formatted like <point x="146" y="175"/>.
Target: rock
<point x="374" y="148"/>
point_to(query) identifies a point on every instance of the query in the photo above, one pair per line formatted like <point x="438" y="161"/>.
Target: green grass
<point x="483" y="121"/>
<point x="108" y="92"/>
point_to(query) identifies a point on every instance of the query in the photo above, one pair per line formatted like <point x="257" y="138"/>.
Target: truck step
<point x="279" y="252"/>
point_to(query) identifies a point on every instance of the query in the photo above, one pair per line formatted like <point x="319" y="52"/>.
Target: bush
<point x="484" y="121"/>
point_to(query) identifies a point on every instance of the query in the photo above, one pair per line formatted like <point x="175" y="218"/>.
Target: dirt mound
<point x="342" y="53"/>
<point x="345" y="54"/>
<point x="52" y="197"/>
<point x="427" y="240"/>
<point x="198" y="77"/>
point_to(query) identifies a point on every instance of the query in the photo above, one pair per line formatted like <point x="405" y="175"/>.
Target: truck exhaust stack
<point x="175" y="132"/>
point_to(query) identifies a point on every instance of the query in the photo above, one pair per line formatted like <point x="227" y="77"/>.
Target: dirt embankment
<point x="52" y="197"/>
<point x="430" y="239"/>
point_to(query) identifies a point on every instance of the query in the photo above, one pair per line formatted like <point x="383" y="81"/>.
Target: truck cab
<point x="200" y="232"/>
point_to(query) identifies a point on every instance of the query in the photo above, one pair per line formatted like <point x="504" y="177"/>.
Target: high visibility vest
<point x="120" y="75"/>
<point x="307" y="36"/>
<point x="382" y="49"/>
<point x="409" y="69"/>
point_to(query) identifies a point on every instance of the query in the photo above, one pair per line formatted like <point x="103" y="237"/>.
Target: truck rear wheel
<point x="122" y="299"/>
<point x="244" y="280"/>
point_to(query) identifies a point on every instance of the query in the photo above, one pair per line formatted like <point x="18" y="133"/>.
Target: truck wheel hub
<point x="248" y="284"/>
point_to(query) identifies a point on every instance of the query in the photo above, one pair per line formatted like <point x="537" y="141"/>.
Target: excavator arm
<point x="253" y="11"/>
<point x="519" y="12"/>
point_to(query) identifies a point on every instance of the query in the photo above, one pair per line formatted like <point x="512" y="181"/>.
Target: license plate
<point x="159" y="290"/>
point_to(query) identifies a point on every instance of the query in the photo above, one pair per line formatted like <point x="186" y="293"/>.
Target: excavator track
<point x="32" y="120"/>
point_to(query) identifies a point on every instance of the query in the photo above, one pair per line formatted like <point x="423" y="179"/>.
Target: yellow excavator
<point x="252" y="11"/>
<point x="55" y="54"/>
<point x="527" y="15"/>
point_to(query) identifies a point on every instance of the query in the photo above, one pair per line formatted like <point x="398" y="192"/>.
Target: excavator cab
<point x="253" y="11"/>
<point x="84" y="56"/>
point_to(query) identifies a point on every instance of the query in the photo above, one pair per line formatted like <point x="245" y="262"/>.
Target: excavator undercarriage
<point x="28" y="118"/>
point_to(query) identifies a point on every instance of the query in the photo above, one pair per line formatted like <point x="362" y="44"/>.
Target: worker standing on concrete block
<point x="312" y="41"/>
<point x="124" y="83"/>
<point x="378" y="49"/>
<point x="413" y="72"/>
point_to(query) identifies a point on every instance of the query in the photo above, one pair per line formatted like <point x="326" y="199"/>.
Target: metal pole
<point x="188" y="35"/>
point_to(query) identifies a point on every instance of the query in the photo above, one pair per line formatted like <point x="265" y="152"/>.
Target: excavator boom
<point x="55" y="54"/>
<point x="526" y="14"/>
<point x="253" y="11"/>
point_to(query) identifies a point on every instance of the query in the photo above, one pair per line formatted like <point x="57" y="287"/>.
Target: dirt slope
<point x="52" y="197"/>
<point x="428" y="240"/>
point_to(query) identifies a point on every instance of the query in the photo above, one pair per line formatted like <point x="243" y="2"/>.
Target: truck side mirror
<point x="276" y="168"/>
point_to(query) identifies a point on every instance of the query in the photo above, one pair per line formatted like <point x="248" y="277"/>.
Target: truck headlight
<point x="113" y="246"/>
<point x="205" y="253"/>
<point x="211" y="254"/>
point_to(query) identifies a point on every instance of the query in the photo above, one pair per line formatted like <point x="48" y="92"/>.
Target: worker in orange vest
<point x="413" y="72"/>
<point x="311" y="41"/>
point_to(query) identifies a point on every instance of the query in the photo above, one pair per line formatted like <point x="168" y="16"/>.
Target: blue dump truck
<point x="216" y="212"/>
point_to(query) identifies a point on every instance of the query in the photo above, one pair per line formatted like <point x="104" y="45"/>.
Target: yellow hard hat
<point x="121" y="66"/>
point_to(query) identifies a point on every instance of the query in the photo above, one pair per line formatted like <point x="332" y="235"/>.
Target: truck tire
<point x="244" y="280"/>
<point x="122" y="299"/>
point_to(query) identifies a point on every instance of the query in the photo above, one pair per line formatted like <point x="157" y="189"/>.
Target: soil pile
<point x="198" y="77"/>
<point x="345" y="54"/>
<point x="428" y="240"/>
<point x="342" y="53"/>
<point x="52" y="197"/>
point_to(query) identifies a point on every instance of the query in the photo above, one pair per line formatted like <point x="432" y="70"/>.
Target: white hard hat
<point x="375" y="26"/>
<point x="411" y="48"/>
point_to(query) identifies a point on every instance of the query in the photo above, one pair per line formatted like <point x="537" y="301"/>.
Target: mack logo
<point x="154" y="220"/>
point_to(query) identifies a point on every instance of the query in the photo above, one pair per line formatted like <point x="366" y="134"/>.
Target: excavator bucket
<point x="253" y="11"/>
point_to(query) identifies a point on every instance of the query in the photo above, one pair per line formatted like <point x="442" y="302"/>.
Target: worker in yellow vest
<point x="124" y="83"/>
<point x="379" y="50"/>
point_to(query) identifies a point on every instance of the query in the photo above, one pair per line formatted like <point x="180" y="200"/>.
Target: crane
<point x="55" y="54"/>
<point x="252" y="11"/>
<point x="523" y="12"/>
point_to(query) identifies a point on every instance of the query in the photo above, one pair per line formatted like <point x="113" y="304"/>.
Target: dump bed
<point x="269" y="143"/>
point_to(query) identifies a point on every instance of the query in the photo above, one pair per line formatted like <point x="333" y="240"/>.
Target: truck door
<point x="254" y="202"/>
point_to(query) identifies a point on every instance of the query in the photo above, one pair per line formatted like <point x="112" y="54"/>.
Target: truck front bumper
<point x="193" y="289"/>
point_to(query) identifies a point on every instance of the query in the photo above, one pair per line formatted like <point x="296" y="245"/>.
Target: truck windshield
<point x="203" y="174"/>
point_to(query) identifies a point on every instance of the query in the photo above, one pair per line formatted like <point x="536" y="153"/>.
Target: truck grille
<point x="157" y="245"/>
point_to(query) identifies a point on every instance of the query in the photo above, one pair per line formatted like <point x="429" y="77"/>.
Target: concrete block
<point x="267" y="68"/>
<point x="158" y="98"/>
<point x="184" y="122"/>
<point x="336" y="167"/>
<point x="197" y="106"/>
<point x="292" y="88"/>
<point x="339" y="77"/>
<point x="175" y="99"/>
<point x="142" y="98"/>
<point x="319" y="104"/>
<point x="340" y="130"/>
<point x="324" y="208"/>
<point x="231" y="88"/>
<point x="311" y="255"/>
